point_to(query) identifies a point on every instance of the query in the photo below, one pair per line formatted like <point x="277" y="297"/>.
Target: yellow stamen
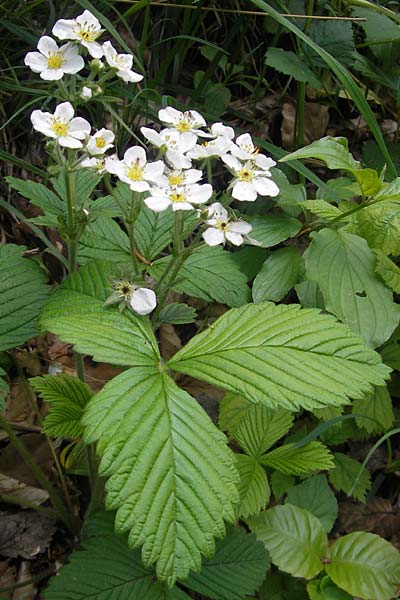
<point x="183" y="126"/>
<point x="88" y="35"/>
<point x="245" y="175"/>
<point x="177" y="197"/>
<point x="222" y="225"/>
<point x="59" y="128"/>
<point x="135" y="172"/>
<point x="55" y="60"/>
<point x="124" y="289"/>
<point x="175" y="179"/>
<point x="100" y="142"/>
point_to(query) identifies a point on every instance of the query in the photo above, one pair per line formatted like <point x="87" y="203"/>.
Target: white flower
<point x="52" y="62"/>
<point x="143" y="301"/>
<point x="98" y="164"/>
<point x="100" y="142"/>
<point x="85" y="29"/>
<point x="63" y="126"/>
<point x="86" y="93"/>
<point x="121" y="62"/>
<point x="222" y="228"/>
<point x="175" y="145"/>
<point x="186" y="123"/>
<point x="244" y="149"/>
<point x="219" y="129"/>
<point x="180" y="177"/>
<point x="250" y="180"/>
<point x="216" y="147"/>
<point x="135" y="170"/>
<point x="180" y="197"/>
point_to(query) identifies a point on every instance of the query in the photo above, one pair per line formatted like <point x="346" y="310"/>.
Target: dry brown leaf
<point x="8" y="577"/>
<point x="27" y="592"/>
<point x="19" y="406"/>
<point x="170" y="342"/>
<point x="11" y="463"/>
<point x="316" y="118"/>
<point x="26" y="533"/>
<point x="378" y="516"/>
<point x="206" y="394"/>
<point x="21" y="492"/>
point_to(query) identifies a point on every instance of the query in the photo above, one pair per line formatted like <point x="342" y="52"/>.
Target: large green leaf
<point x="315" y="495"/>
<point x="334" y="152"/>
<point x="261" y="427"/>
<point x="76" y="313"/>
<point x="282" y="356"/>
<point x="235" y="571"/>
<point x="104" y="240"/>
<point x="365" y="565"/>
<point x="171" y="476"/>
<point x="23" y="293"/>
<point x="153" y="231"/>
<point x="39" y="195"/>
<point x="278" y="275"/>
<point x="379" y="223"/>
<point x="232" y="410"/>
<point x="292" y="460"/>
<point x="273" y="229"/>
<point x="106" y="569"/>
<point x="253" y="488"/>
<point x="67" y="397"/>
<point x="210" y="274"/>
<point x="378" y="407"/>
<point x="388" y="270"/>
<point x="344" y="267"/>
<point x="289" y="63"/>
<point x="325" y="589"/>
<point x="343" y="476"/>
<point x="294" y="538"/>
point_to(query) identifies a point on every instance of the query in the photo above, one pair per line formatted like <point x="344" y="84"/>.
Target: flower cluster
<point x="53" y="62"/>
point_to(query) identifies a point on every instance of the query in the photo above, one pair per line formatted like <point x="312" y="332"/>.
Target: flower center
<point x="245" y="175"/>
<point x="222" y="225"/>
<point x="59" y="128"/>
<point x="177" y="197"/>
<point x="100" y="142"/>
<point x="55" y="61"/>
<point x="124" y="289"/>
<point x="135" y="172"/>
<point x="183" y="126"/>
<point x="88" y="34"/>
<point x="175" y="179"/>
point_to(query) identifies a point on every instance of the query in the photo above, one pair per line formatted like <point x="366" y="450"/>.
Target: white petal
<point x="69" y="142"/>
<point x="152" y="136"/>
<point x="213" y="236"/>
<point x="137" y="186"/>
<point x="36" y="61"/>
<point x="110" y="53"/>
<point x="94" y="49"/>
<point x="143" y="301"/>
<point x="42" y="121"/>
<point x="135" y="153"/>
<point x="112" y="165"/>
<point x="87" y="19"/>
<point x="88" y="162"/>
<point x="79" y="128"/>
<point x="224" y="130"/>
<point x="231" y="162"/>
<point x="169" y="115"/>
<point x="46" y="45"/>
<point x="65" y="29"/>
<point x="73" y="64"/>
<point x="243" y="190"/>
<point x="86" y="93"/>
<point x="181" y="206"/>
<point x="157" y="203"/>
<point x="218" y="212"/>
<point x="195" y="117"/>
<point x="264" y="162"/>
<point x="244" y="141"/>
<point x="129" y="76"/>
<point x="192" y="176"/>
<point x="153" y="171"/>
<point x="240" y="227"/>
<point x="234" y="238"/>
<point x="200" y="193"/>
<point x="52" y="74"/>
<point x="64" y="111"/>
<point x="188" y="139"/>
<point x="265" y="186"/>
<point x="178" y="160"/>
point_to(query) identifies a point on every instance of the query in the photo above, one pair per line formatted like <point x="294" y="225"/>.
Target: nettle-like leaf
<point x="282" y="356"/>
<point x="365" y="565"/>
<point x="344" y="267"/>
<point x="210" y="274"/>
<point x="322" y="209"/>
<point x="315" y="495"/>
<point x="76" y="313"/>
<point x="344" y="475"/>
<point x="67" y="397"/>
<point x="232" y="409"/>
<point x="388" y="271"/>
<point x="253" y="488"/>
<point x="85" y="182"/>
<point x="23" y="293"/>
<point x="302" y="460"/>
<point x="281" y="484"/>
<point x="379" y="224"/>
<point x="235" y="571"/>
<point x="39" y="195"/>
<point x="278" y="275"/>
<point x="171" y="474"/>
<point x="270" y="230"/>
<point x="294" y="537"/>
<point x="177" y="313"/>
<point x="104" y="240"/>
<point x="378" y="407"/>
<point x="333" y="151"/>
<point x="289" y="63"/>
<point x="260" y="427"/>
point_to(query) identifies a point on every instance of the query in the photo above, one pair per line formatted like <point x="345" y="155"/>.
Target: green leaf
<point x="378" y="406"/>
<point x="379" y="223"/>
<point x="153" y="231"/>
<point x="391" y="355"/>
<point x="303" y="358"/>
<point x="67" y="397"/>
<point x="346" y="470"/>
<point x="273" y="229"/>
<point x="281" y="484"/>
<point x="294" y="538"/>
<point x="278" y="275"/>
<point x="309" y="294"/>
<point x="236" y="570"/>
<point x="39" y="195"/>
<point x="250" y="260"/>
<point x="368" y="180"/>
<point x="322" y="209"/>
<point x="289" y="63"/>
<point x="290" y="194"/>
<point x="365" y="565"/>
<point x="232" y="410"/>
<point x="76" y="313"/>
<point x="292" y="460"/>
<point x="334" y="152"/>
<point x="379" y="28"/>
<point x="106" y="569"/>
<point x="281" y="586"/>
<point x="85" y="182"/>
<point x="325" y="589"/>
<point x="104" y="240"/>
<point x="171" y="476"/>
<point x="254" y="489"/>
<point x="210" y="274"/>
<point x="23" y="293"/>
<point x="344" y="267"/>
<point x="388" y="270"/>
<point x="315" y="495"/>
<point x="335" y="37"/>
<point x="177" y="313"/>
<point x="3" y="389"/>
<point x="261" y="427"/>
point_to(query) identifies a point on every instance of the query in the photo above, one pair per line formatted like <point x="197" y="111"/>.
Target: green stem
<point x="71" y="211"/>
<point x="110" y="190"/>
<point x="134" y="213"/>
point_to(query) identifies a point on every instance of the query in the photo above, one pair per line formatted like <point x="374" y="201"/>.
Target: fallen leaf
<point x="11" y="463"/>
<point x="170" y="342"/>
<point x="21" y="492"/>
<point x="316" y="118"/>
<point x="378" y="516"/>
<point x="8" y="577"/>
<point x="26" y="533"/>
<point x="27" y="592"/>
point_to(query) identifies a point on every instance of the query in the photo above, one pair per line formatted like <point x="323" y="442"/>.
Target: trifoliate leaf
<point x="235" y="571"/>
<point x="232" y="409"/>
<point x="315" y="495"/>
<point x="261" y="427"/>
<point x="253" y="488"/>
<point x="379" y="224"/>
<point x="344" y="267"/>
<point x="177" y="313"/>
<point x="365" y="565"/>
<point x="171" y="476"/>
<point x="23" y="293"/>
<point x="343" y="476"/>
<point x="289" y="63"/>
<point x="378" y="407"/>
<point x="104" y="240"/>
<point x="273" y="229"/>
<point x="210" y="274"/>
<point x="302" y="460"/>
<point x="388" y="271"/>
<point x="67" y="397"/>
<point x="76" y="313"/>
<point x="278" y="275"/>
<point x="294" y="537"/>
<point x="282" y="356"/>
<point x="334" y="152"/>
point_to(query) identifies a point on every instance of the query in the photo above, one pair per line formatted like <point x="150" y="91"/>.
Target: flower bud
<point x="96" y="65"/>
<point x="86" y="93"/>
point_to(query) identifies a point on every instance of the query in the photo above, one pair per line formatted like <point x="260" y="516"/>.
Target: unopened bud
<point x="96" y="65"/>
